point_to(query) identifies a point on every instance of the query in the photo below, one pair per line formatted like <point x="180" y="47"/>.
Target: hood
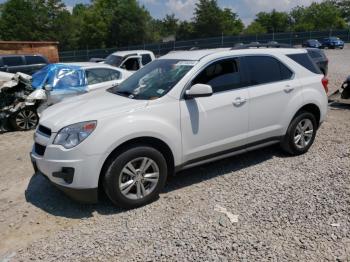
<point x="98" y="105"/>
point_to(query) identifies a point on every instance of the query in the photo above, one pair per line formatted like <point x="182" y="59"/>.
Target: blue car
<point x="312" y="43"/>
<point x="332" y="42"/>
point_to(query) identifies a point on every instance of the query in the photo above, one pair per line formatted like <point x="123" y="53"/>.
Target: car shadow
<point x="42" y="194"/>
<point x="338" y="105"/>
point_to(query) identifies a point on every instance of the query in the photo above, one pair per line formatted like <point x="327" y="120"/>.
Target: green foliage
<point x="255" y="28"/>
<point x="273" y="21"/>
<point x="110" y="23"/>
<point x="318" y="16"/>
<point x="185" y="31"/>
<point x="210" y="20"/>
<point x="344" y="8"/>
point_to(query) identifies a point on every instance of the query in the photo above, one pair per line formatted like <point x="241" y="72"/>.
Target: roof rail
<point x="267" y="45"/>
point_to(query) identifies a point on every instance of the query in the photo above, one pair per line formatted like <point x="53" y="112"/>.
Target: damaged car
<point x="24" y="97"/>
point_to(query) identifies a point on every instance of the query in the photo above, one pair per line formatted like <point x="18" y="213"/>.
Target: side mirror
<point x="198" y="90"/>
<point x="48" y="87"/>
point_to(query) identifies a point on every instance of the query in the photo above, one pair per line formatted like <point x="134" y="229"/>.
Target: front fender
<point x="109" y="136"/>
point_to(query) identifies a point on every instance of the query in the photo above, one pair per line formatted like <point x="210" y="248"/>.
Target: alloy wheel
<point x="26" y="119"/>
<point x="303" y="133"/>
<point x="138" y="178"/>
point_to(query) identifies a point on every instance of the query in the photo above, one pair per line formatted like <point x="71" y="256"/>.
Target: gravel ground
<point x="258" y="206"/>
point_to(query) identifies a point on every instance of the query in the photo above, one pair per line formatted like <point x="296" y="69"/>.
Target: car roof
<point x="9" y="55"/>
<point x="197" y="55"/>
<point x="90" y="65"/>
<point x="131" y="52"/>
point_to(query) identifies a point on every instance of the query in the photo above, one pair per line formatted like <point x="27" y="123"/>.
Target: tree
<point x="273" y="21"/>
<point x="210" y="20"/>
<point x="185" y="31"/>
<point x="317" y="16"/>
<point x="169" y="25"/>
<point x="231" y="24"/>
<point x="344" y="8"/>
<point x="28" y="20"/>
<point x="17" y="17"/>
<point x="255" y="28"/>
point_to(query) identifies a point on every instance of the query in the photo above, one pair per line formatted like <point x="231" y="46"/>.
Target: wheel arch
<point x="144" y="140"/>
<point x="312" y="108"/>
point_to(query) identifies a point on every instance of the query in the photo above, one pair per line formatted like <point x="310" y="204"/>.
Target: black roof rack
<point x="278" y="45"/>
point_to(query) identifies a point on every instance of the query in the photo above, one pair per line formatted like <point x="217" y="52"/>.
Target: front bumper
<point x="43" y="167"/>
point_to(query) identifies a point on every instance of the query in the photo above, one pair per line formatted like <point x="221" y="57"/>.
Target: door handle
<point x="288" y="89"/>
<point x="239" y="101"/>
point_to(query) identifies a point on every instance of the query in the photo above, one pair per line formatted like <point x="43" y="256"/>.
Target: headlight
<point x="72" y="135"/>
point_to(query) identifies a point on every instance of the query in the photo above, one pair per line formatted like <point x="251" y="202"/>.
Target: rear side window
<point x="266" y="69"/>
<point x="35" y="60"/>
<point x="99" y="75"/>
<point x="305" y="61"/>
<point x="13" y="60"/>
<point x="221" y="76"/>
<point x="146" y="59"/>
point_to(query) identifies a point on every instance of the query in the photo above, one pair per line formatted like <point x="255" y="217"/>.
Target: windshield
<point x="114" y="60"/>
<point x="154" y="80"/>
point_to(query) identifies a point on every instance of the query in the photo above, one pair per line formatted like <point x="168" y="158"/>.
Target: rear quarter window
<point x="304" y="60"/>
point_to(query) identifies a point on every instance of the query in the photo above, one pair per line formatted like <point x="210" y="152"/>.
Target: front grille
<point x="39" y="149"/>
<point x="44" y="130"/>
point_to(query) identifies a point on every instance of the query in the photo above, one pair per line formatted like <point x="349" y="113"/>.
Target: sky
<point x="183" y="9"/>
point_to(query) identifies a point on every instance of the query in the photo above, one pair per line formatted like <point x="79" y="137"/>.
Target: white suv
<point x="182" y="110"/>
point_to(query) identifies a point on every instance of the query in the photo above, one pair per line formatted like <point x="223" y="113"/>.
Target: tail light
<point x="325" y="84"/>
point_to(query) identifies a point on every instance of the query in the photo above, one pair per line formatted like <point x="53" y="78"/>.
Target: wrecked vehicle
<point x="16" y="112"/>
<point x="342" y="95"/>
<point x="23" y="97"/>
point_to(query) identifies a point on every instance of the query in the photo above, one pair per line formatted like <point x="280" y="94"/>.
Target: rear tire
<point x="300" y="134"/>
<point x="135" y="177"/>
<point x="24" y="119"/>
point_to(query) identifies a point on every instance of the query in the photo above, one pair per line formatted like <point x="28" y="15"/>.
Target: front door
<point x="219" y="123"/>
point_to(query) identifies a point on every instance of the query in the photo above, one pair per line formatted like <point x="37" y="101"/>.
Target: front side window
<point x="266" y="69"/>
<point x="131" y="64"/>
<point x="221" y="76"/>
<point x="154" y="80"/>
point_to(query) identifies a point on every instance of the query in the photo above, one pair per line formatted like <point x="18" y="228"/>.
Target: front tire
<point x="135" y="177"/>
<point x="24" y="119"/>
<point x="300" y="135"/>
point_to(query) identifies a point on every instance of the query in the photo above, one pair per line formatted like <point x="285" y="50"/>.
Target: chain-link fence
<point x="292" y="38"/>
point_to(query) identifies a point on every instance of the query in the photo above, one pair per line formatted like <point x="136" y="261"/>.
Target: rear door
<point x="271" y="87"/>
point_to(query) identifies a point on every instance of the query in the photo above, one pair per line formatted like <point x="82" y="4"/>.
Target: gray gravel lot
<point x="287" y="208"/>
